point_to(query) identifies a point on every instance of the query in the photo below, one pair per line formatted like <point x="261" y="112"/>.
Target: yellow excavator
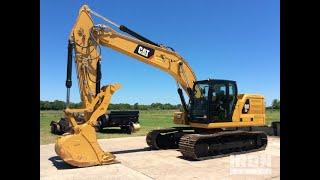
<point x="216" y="121"/>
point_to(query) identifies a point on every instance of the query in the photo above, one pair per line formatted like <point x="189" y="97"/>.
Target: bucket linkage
<point x="80" y="147"/>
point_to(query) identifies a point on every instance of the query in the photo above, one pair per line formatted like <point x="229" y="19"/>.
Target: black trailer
<point x="128" y="121"/>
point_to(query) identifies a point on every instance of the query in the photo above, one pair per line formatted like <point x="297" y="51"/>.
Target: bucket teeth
<point x="108" y="157"/>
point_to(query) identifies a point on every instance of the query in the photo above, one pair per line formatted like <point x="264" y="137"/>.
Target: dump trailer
<point x="128" y="121"/>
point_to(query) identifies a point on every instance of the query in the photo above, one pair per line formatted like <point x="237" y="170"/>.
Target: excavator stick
<point x="80" y="148"/>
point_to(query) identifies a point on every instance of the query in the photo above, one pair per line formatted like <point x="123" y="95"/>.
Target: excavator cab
<point x="213" y="101"/>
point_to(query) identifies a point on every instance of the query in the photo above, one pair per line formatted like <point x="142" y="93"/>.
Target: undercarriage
<point x="200" y="144"/>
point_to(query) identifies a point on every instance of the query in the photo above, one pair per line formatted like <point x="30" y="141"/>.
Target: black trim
<point x="183" y="101"/>
<point x="236" y="98"/>
<point x="98" y="78"/>
<point x="136" y="35"/>
<point x="69" y="65"/>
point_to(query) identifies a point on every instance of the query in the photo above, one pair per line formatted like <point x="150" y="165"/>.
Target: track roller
<point x="208" y="146"/>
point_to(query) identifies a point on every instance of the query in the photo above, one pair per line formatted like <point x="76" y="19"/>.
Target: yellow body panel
<point x="87" y="56"/>
<point x="168" y="61"/>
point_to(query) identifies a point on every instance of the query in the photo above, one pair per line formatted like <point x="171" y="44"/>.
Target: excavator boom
<point x="81" y="148"/>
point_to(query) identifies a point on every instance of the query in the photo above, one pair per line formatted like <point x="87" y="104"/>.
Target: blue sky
<point x="235" y="40"/>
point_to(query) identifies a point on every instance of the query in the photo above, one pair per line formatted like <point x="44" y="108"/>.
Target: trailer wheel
<point x="59" y="131"/>
<point x="55" y="128"/>
<point x="127" y="129"/>
<point x="124" y="129"/>
<point x="130" y="129"/>
<point x="98" y="127"/>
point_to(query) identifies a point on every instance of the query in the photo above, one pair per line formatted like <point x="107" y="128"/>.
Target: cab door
<point x="231" y="99"/>
<point x="223" y="99"/>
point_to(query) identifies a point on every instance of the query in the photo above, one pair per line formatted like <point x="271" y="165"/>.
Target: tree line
<point x="275" y="104"/>
<point x="60" y="105"/>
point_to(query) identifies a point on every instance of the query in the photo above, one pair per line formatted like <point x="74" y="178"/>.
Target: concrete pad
<point x="138" y="162"/>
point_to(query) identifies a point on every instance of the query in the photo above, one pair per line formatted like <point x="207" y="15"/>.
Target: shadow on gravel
<point x="112" y="131"/>
<point x="131" y="151"/>
<point x="59" y="163"/>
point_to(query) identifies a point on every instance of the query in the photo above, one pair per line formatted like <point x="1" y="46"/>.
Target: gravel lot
<point x="137" y="162"/>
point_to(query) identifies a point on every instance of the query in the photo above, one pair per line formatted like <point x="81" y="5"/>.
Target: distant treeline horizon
<point x="60" y="105"/>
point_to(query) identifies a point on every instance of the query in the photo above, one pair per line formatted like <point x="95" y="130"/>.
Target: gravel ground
<point x="137" y="162"/>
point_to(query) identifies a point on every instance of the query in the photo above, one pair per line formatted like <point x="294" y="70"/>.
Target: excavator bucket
<point x="80" y="148"/>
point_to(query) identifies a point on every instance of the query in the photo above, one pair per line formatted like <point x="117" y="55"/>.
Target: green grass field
<point x="153" y="119"/>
